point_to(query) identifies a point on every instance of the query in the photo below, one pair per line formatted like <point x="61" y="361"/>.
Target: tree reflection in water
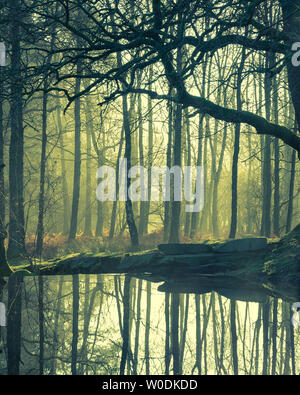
<point x="120" y="325"/>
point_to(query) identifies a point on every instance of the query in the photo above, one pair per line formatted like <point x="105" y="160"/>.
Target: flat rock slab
<point x="240" y="245"/>
<point x="189" y="286"/>
<point x="184" y="249"/>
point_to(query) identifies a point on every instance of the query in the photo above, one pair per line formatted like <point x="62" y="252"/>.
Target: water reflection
<point x="120" y="325"/>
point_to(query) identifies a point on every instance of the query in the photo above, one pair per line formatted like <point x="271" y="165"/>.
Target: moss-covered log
<point x="234" y="265"/>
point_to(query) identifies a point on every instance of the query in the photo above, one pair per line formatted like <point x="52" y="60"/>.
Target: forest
<point x="149" y="189"/>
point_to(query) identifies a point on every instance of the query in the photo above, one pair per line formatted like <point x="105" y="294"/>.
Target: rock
<point x="186" y="287"/>
<point x="240" y="245"/>
<point x="184" y="249"/>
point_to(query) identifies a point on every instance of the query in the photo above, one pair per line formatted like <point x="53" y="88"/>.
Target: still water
<point x="100" y="324"/>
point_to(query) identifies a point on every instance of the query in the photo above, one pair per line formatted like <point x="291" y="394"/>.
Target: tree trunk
<point x="65" y="192"/>
<point x="41" y="324"/>
<point x="291" y="192"/>
<point x="167" y="337"/>
<point x="234" y="337"/>
<point x="125" y="331"/>
<point x="115" y="203"/>
<point x="16" y="243"/>
<point x="174" y="333"/>
<point x="276" y="207"/>
<point x="88" y="213"/>
<point x="291" y="14"/>
<point x="267" y="181"/>
<point x="234" y="186"/>
<point x="77" y="159"/>
<point x="195" y="215"/>
<point x="14" y="321"/>
<point x="168" y="164"/>
<point x="40" y="226"/>
<point x="266" y="317"/>
<point x="147" y="329"/>
<point x="187" y="224"/>
<point x="176" y="205"/>
<point x="75" y="292"/>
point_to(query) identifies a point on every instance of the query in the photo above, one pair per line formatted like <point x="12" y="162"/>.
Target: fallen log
<point x="272" y="268"/>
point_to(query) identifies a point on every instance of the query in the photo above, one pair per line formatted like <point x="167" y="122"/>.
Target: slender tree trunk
<point x="266" y="315"/>
<point x="40" y="226"/>
<point x="77" y="159"/>
<point x="65" y="192"/>
<point x="267" y="181"/>
<point x="150" y="156"/>
<point x="167" y="338"/>
<point x="274" y="335"/>
<point x="143" y="204"/>
<point x="187" y="224"/>
<point x="56" y="326"/>
<point x="176" y="205"/>
<point x="137" y="326"/>
<point x="41" y="324"/>
<point x="100" y="159"/>
<point x="147" y="328"/>
<point x="234" y="186"/>
<point x="276" y="207"/>
<point x="184" y="329"/>
<point x="88" y="212"/>
<point x="14" y="321"/>
<point x="75" y="279"/>
<point x="196" y="215"/>
<point x="174" y="333"/>
<point x="234" y="337"/>
<point x="128" y="151"/>
<point x="125" y="331"/>
<point x="206" y="209"/>
<point x="168" y="164"/>
<point x="215" y="218"/>
<point x="128" y="204"/>
<point x="198" y="335"/>
<point x="114" y="208"/>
